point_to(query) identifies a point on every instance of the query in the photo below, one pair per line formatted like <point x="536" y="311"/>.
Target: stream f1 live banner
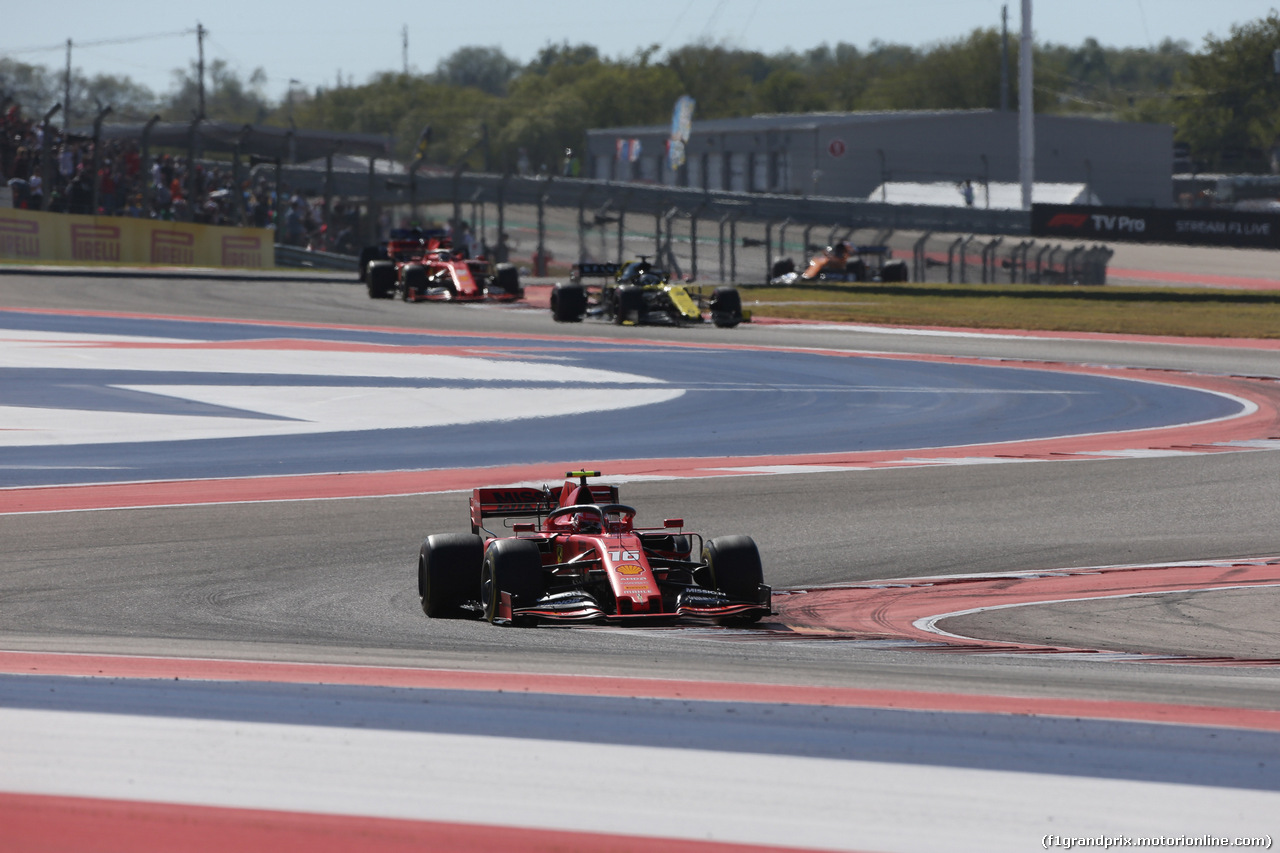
<point x="31" y="237"/>
<point x="1237" y="229"/>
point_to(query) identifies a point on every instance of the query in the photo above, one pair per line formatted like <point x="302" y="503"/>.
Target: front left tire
<point x="513" y="566"/>
<point x="734" y="565"/>
<point x="447" y="565"/>
<point x="381" y="279"/>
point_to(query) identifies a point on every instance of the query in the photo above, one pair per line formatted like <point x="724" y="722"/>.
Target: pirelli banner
<point x="33" y="237"/>
<point x="1237" y="229"/>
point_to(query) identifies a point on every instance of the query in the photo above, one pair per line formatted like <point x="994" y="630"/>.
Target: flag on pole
<point x="681" y="127"/>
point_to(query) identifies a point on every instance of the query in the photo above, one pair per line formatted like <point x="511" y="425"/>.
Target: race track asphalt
<point x="332" y="581"/>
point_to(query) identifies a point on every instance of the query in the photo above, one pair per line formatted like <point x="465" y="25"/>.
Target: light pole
<point x="289" y="97"/>
<point x="1026" y="110"/>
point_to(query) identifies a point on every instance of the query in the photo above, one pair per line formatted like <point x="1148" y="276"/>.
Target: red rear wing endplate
<point x="488" y="503"/>
<point x="525" y="501"/>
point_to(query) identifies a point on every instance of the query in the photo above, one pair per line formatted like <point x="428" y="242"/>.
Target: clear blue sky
<point x="313" y="42"/>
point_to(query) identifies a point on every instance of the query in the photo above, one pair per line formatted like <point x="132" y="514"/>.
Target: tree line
<point x="484" y="109"/>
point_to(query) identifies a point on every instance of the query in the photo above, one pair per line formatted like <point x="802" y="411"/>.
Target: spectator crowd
<point x="168" y="187"/>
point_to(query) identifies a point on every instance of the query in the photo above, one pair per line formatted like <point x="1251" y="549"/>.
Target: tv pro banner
<point x="1236" y="229"/>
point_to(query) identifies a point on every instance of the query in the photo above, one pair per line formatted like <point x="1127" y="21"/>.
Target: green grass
<point x="1182" y="312"/>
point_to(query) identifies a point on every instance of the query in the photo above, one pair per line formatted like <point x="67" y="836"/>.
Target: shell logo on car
<point x="629" y="570"/>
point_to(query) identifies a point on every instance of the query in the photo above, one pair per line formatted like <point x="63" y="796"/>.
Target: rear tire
<point x="726" y="307"/>
<point x="367" y="254"/>
<point x="895" y="271"/>
<point x="447" y="564"/>
<point x="568" y="302"/>
<point x="513" y="566"/>
<point x="382" y="279"/>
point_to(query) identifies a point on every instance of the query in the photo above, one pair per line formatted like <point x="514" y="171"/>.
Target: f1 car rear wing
<point x="525" y="502"/>
<point x="505" y="503"/>
<point x="586" y="270"/>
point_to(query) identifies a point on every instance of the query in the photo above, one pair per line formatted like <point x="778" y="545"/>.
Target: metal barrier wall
<point x="753" y="224"/>
<point x="970" y="259"/>
<point x="691" y="214"/>
<point x="738" y="237"/>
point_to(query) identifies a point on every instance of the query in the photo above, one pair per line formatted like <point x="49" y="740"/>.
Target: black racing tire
<point x="513" y="566"/>
<point x="413" y="281"/>
<point x="568" y="302"/>
<point x="506" y="278"/>
<point x="857" y="270"/>
<point x="382" y="280"/>
<point x="447" y="566"/>
<point x="367" y="254"/>
<point x="628" y="303"/>
<point x="734" y="563"/>
<point x="781" y="267"/>
<point x="726" y="307"/>
<point x="895" y="271"/>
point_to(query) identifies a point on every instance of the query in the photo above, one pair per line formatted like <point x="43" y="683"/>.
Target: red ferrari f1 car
<point x="423" y="265"/>
<point x="577" y="556"/>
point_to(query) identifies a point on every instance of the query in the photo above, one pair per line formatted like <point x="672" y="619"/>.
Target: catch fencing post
<point x="964" y="258"/>
<point x="693" y="244"/>
<point x="733" y="250"/>
<point x="503" y="249"/>
<point x="989" y="260"/>
<point x="328" y="200"/>
<point x="97" y="158"/>
<point x="147" y="183"/>
<point x="540" y="260"/>
<point x="672" y="263"/>
<point x="372" y="214"/>
<point x="46" y="158"/>
<point x="782" y="242"/>
<point x="724" y="220"/>
<point x="951" y="254"/>
<point x="918" y="259"/>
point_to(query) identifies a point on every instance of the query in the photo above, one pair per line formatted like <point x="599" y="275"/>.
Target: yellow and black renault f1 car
<point x="639" y="293"/>
<point x="577" y="556"/>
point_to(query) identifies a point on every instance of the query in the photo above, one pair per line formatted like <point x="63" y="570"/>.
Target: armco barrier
<point x="34" y="237"/>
